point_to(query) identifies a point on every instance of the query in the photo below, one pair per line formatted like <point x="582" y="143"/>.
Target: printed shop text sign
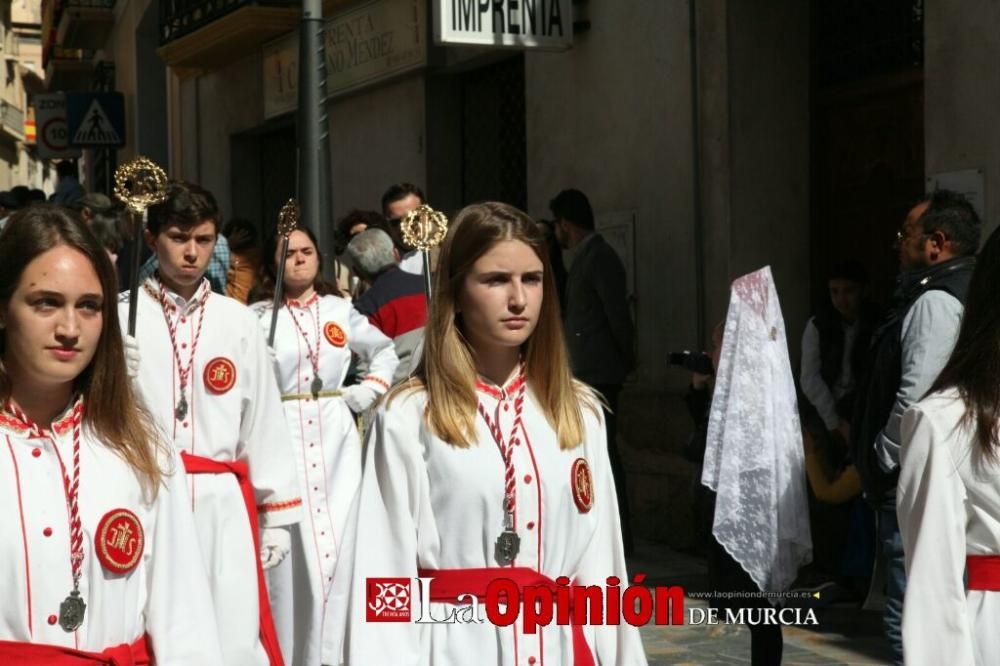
<point x="527" y="24"/>
<point x="368" y="43"/>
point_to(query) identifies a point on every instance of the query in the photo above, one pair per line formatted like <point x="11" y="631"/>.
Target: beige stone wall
<point x="962" y="93"/>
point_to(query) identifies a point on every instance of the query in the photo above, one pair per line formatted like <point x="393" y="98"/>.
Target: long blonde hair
<point x="447" y="369"/>
<point x="112" y="409"/>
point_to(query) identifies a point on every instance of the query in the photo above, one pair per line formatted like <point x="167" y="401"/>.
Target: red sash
<point x="449" y="584"/>
<point x="983" y="572"/>
<point x="199" y="465"/>
<point x="38" y="654"/>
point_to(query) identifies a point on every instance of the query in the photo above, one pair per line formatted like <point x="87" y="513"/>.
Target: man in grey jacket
<point x="936" y="244"/>
<point x="597" y="321"/>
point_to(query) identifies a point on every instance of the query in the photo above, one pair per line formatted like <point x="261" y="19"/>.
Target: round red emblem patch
<point x="220" y="375"/>
<point x="119" y="541"/>
<point x="583" y="485"/>
<point x="334" y="334"/>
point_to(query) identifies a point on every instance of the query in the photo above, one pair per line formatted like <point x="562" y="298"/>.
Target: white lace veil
<point x="753" y="454"/>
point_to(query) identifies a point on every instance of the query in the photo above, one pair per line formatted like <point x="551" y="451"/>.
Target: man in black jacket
<point x="936" y="244"/>
<point x="596" y="320"/>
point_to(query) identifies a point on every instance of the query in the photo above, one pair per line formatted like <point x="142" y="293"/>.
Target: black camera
<point x="699" y="362"/>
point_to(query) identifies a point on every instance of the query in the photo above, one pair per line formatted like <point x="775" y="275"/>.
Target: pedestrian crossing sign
<point x="96" y="120"/>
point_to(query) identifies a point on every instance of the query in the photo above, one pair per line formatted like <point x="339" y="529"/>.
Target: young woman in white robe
<point x="948" y="502"/>
<point x="492" y="438"/>
<point x="99" y="559"/>
<point x="317" y="332"/>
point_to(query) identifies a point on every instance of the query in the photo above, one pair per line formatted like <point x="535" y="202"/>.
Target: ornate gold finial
<point x="424" y="228"/>
<point x="288" y="218"/>
<point x="140" y="183"/>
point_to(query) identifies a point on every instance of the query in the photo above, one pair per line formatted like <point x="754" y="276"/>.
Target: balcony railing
<point x="83" y="24"/>
<point x="182" y="17"/>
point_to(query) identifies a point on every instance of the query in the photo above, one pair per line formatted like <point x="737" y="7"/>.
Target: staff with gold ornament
<point x="424" y="228"/>
<point x="288" y="219"/>
<point x="139" y="184"/>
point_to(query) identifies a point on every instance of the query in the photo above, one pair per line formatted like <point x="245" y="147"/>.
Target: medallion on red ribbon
<point x="119" y="541"/>
<point x="334" y="334"/>
<point x="220" y="375"/>
<point x="583" y="485"/>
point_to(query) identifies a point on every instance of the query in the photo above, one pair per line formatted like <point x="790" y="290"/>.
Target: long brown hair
<point x="447" y="369"/>
<point x="974" y="366"/>
<point x="112" y="410"/>
<point x="267" y="274"/>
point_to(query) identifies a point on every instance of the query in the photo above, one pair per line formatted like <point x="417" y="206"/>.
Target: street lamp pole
<point x="314" y="130"/>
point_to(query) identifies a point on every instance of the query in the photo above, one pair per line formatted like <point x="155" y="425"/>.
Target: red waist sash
<point x="983" y="572"/>
<point x="39" y="654"/>
<point x="199" y="465"/>
<point x="450" y="584"/>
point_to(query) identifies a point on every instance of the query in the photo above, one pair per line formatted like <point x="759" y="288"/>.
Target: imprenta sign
<point x="527" y="24"/>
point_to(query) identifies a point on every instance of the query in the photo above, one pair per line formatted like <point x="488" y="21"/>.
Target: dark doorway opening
<point x="494" y="144"/>
<point x="867" y="134"/>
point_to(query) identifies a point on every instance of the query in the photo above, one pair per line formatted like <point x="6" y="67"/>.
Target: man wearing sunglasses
<point x="936" y="245"/>
<point x="397" y="201"/>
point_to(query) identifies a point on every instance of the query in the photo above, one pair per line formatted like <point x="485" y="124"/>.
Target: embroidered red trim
<point x="500" y="394"/>
<point x="303" y="304"/>
<point x="279" y="506"/>
<point x="378" y="380"/>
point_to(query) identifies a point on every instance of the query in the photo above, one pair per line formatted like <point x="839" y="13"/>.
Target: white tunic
<point x="427" y="504"/>
<point x="948" y="504"/>
<point x="243" y="423"/>
<point x="327" y="452"/>
<point x="166" y="596"/>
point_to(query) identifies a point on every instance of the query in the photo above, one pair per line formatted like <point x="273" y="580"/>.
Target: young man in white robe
<point x="204" y="371"/>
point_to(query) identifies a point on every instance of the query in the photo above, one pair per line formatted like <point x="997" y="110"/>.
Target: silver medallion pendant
<point x="508" y="543"/>
<point x="71" y="611"/>
<point x="507" y="546"/>
<point x="316" y="386"/>
<point x="180" y="412"/>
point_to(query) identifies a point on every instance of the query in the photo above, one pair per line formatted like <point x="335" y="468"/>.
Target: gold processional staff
<point x="424" y="228"/>
<point x="139" y="184"/>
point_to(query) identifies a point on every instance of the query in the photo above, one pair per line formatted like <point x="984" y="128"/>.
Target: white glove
<point x="132" y="357"/>
<point x="359" y="397"/>
<point x="275" y="543"/>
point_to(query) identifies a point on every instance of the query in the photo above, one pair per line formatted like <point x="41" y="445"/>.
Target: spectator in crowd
<point x="244" y="257"/>
<point x="397" y="201"/>
<point x="35" y="196"/>
<point x="108" y="228"/>
<point x="23" y="195"/>
<point x="556" y="259"/>
<point x="597" y="321"/>
<point x="395" y="303"/>
<point x="8" y="204"/>
<point x="348" y="227"/>
<point x="91" y="204"/>
<point x="834" y="345"/>
<point x="68" y="188"/>
<point x="937" y="245"/>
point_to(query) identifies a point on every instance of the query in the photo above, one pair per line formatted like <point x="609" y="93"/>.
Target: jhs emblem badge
<point x="583" y="485"/>
<point x="119" y="541"/>
<point x="334" y="334"/>
<point x="388" y="599"/>
<point x="220" y="375"/>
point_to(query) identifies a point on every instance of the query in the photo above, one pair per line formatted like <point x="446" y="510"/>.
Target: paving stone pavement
<point x="845" y="634"/>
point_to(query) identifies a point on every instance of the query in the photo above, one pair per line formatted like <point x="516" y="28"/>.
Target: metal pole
<point x="313" y="129"/>
<point x="279" y="289"/>
<point x="138" y="227"/>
